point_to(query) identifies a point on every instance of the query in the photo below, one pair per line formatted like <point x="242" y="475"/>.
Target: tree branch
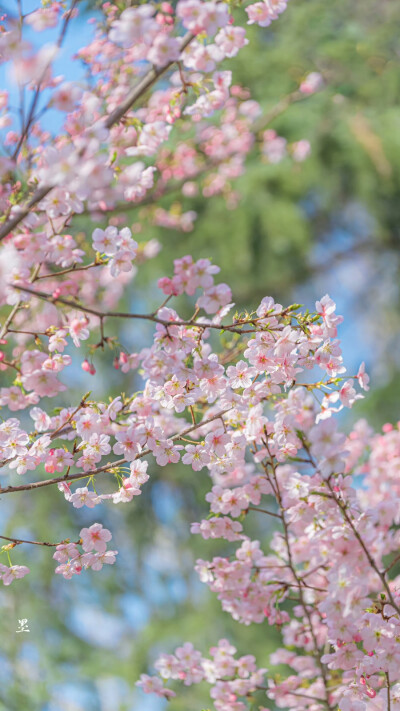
<point x="147" y="317"/>
<point x="19" y="541"/>
<point x="110" y="465"/>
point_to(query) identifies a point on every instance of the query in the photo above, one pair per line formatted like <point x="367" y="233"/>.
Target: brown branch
<point x="67" y="422"/>
<point x="59" y="429"/>
<point x="349" y="521"/>
<point x="9" y="319"/>
<point x="286" y="584"/>
<point x="28" y="333"/>
<point x="37" y="196"/>
<point x="107" y="467"/>
<point x="18" y="541"/>
<point x="270" y="513"/>
<point x="148" y="80"/>
<point x="296" y="693"/>
<point x="300" y="582"/>
<point x="9" y="364"/>
<point x="388" y="691"/>
<point x="359" y="538"/>
<point x="148" y="317"/>
<point x="14" y="310"/>
<point x="390" y="566"/>
<point x="278" y="109"/>
<point x="69" y="270"/>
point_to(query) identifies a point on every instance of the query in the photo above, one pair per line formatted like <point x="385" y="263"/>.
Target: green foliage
<point x="264" y="245"/>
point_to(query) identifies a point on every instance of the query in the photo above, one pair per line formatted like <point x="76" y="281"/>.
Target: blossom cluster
<point x="106" y="156"/>
<point x="248" y="399"/>
<point x="329" y="555"/>
<point x="189" y="666"/>
<point x="261" y="420"/>
<point x="94" y="544"/>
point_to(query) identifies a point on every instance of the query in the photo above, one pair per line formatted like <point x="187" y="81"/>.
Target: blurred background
<point x="299" y="230"/>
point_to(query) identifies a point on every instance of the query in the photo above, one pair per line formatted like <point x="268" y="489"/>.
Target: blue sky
<point x="80" y="32"/>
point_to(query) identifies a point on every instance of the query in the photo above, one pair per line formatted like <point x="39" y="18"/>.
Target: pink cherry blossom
<point x="14" y="572"/>
<point x="95" y="538"/>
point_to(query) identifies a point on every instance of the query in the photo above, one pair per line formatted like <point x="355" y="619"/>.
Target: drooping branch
<point x="111" y="465"/>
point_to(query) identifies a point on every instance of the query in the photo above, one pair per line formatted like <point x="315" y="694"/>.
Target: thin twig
<point x="270" y="513"/>
<point x="233" y="327"/>
<point x="19" y="541"/>
<point x="388" y="691"/>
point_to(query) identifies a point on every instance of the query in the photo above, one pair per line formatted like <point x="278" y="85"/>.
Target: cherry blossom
<point x="257" y="422"/>
<point x="95" y="538"/>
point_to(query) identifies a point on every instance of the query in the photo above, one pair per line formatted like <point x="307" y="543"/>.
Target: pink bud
<point x="92" y="369"/>
<point x="123" y="358"/>
<point x="371" y="693"/>
<point x="167" y="7"/>
<point x="2" y="355"/>
<point x="116" y="363"/>
<point x="86" y="366"/>
<point x="56" y="293"/>
<point x="167" y="286"/>
<point x="362" y="680"/>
